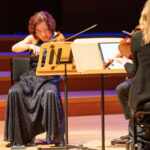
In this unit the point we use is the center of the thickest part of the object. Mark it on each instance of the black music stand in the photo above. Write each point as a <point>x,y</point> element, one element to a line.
<point>102,112</point>
<point>67,146</point>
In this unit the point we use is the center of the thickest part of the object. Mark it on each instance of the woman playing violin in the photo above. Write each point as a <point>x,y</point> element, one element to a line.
<point>35,100</point>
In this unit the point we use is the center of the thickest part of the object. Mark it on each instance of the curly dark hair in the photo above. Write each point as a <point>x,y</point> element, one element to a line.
<point>39,17</point>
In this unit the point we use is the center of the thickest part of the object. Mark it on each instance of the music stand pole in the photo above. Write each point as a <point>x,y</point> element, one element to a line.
<point>66,105</point>
<point>67,146</point>
<point>102,112</point>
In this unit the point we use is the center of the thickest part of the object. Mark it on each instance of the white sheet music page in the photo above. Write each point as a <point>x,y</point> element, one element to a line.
<point>87,54</point>
<point>109,50</point>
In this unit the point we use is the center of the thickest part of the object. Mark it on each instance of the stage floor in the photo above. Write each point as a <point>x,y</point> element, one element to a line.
<point>85,130</point>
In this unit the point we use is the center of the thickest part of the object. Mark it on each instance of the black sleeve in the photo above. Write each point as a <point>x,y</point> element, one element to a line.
<point>135,42</point>
<point>130,69</point>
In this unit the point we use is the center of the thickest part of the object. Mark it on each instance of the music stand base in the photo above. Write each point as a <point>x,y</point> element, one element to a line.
<point>66,147</point>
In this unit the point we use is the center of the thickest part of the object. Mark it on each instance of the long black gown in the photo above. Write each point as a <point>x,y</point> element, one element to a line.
<point>34,106</point>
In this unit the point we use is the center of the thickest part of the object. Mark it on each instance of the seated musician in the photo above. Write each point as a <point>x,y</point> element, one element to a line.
<point>140,85</point>
<point>34,104</point>
<point>123,88</point>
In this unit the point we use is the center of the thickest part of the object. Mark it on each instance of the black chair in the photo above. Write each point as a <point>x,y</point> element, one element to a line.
<point>18,66</point>
<point>137,117</point>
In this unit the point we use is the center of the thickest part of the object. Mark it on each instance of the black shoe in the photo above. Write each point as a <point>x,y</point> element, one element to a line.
<point>31,143</point>
<point>9,145</point>
<point>118,142</point>
<point>14,146</point>
<point>59,143</point>
<point>125,137</point>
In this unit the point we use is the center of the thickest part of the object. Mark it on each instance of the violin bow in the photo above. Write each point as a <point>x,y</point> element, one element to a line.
<point>93,26</point>
<point>126,32</point>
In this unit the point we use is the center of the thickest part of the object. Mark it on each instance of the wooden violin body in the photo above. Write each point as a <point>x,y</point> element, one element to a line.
<point>124,47</point>
<point>58,37</point>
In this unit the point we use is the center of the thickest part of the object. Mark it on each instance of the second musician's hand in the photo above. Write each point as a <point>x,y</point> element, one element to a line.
<point>123,60</point>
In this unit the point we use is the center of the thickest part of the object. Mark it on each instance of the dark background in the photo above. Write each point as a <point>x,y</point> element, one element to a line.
<point>72,16</point>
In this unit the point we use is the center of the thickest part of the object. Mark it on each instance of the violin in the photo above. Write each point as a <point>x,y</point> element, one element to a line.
<point>57,38</point>
<point>124,46</point>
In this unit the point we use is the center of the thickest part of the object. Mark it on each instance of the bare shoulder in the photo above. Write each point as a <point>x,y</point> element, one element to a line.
<point>30,39</point>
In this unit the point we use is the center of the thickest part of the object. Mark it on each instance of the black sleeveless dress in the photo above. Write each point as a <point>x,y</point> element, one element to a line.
<point>34,106</point>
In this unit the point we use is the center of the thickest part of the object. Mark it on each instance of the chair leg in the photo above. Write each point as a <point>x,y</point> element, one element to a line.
<point>134,133</point>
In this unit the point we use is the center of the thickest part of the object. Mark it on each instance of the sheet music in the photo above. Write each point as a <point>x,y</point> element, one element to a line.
<point>87,54</point>
<point>109,50</point>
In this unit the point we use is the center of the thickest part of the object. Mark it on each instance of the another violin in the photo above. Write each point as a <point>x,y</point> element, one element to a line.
<point>124,47</point>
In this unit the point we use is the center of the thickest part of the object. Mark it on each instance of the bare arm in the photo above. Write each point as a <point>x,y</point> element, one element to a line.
<point>25,44</point>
